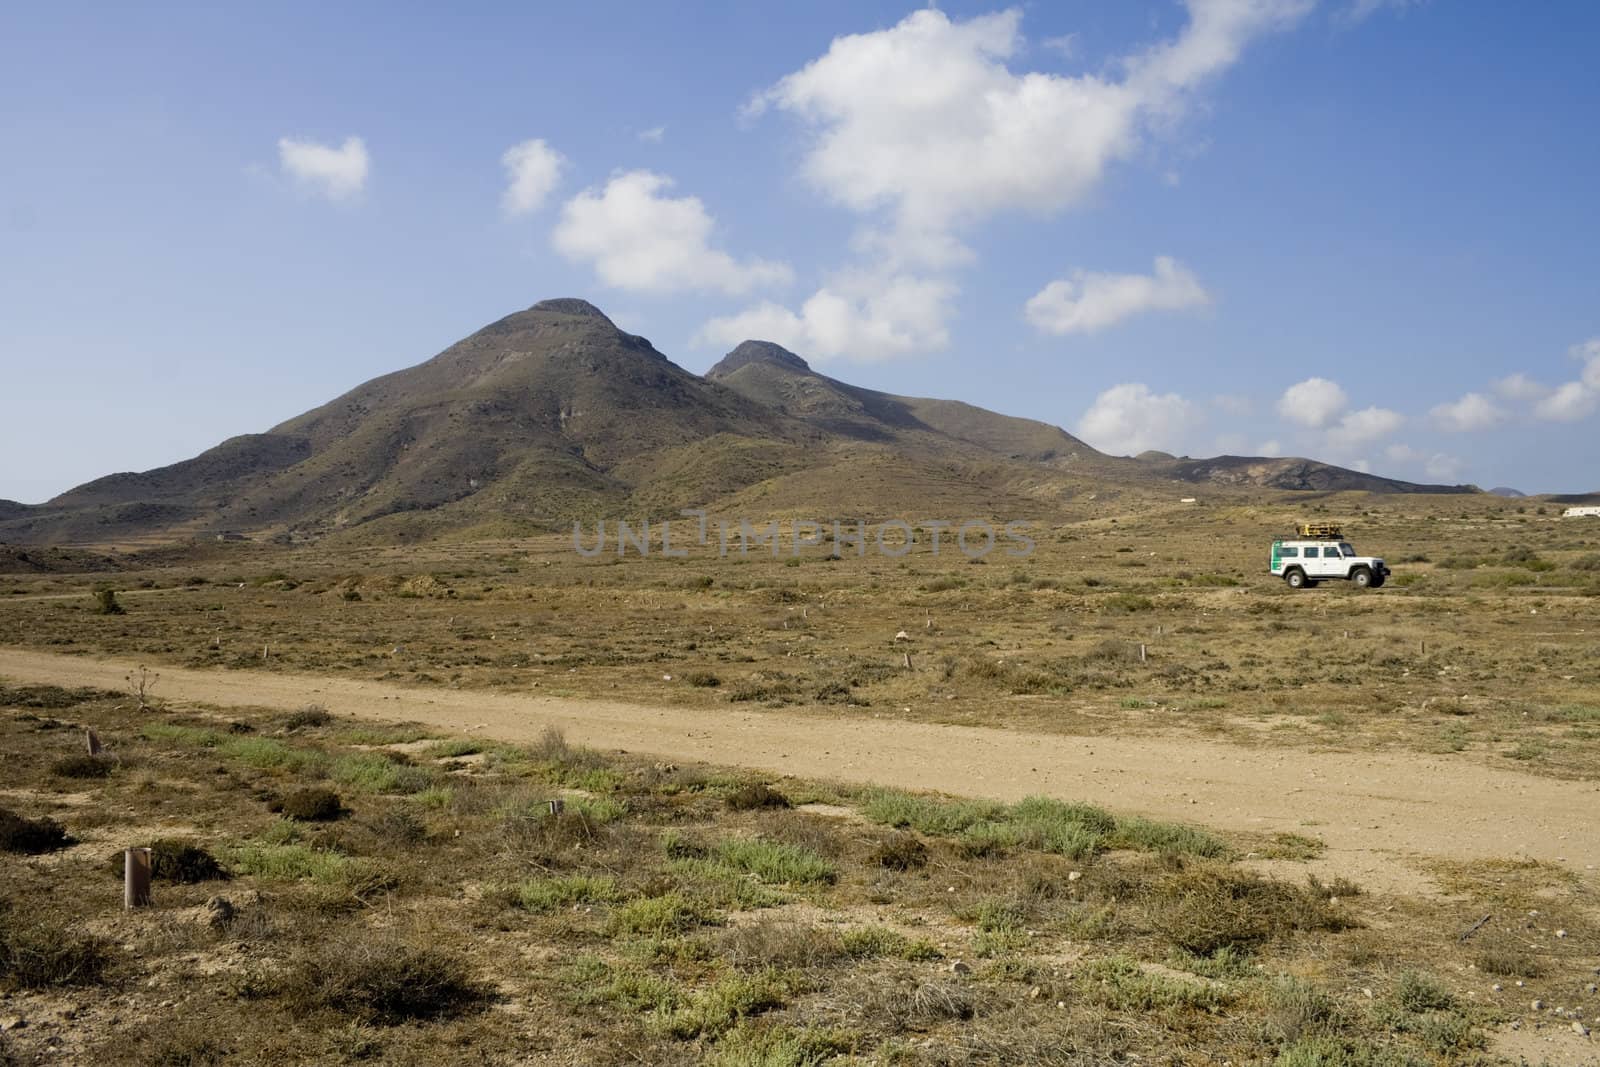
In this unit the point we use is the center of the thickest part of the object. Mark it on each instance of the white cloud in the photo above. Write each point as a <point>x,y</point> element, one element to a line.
<point>1440,466</point>
<point>926,122</point>
<point>1520,387</point>
<point>336,173</point>
<point>1472,412</point>
<point>654,135</point>
<point>1089,301</point>
<point>533,169</point>
<point>1233,404</point>
<point>1589,353</point>
<point>1314,402</point>
<point>1129,419</point>
<point>1569,403</point>
<point>858,315</point>
<point>638,238</point>
<point>1231,444</point>
<point>1065,45</point>
<point>1362,427</point>
<point>1361,10</point>
<point>1578,399</point>
<point>1445,468</point>
<point>1271,449</point>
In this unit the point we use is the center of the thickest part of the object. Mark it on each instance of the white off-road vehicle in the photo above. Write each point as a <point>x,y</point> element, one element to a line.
<point>1320,552</point>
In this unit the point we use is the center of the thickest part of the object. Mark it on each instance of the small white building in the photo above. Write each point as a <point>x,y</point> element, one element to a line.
<point>1580,513</point>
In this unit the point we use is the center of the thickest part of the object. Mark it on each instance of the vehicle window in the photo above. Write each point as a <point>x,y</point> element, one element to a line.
<point>1311,553</point>
<point>1347,548</point>
<point>1289,553</point>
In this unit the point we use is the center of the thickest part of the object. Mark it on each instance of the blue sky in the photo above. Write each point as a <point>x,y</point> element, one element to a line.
<point>1361,231</point>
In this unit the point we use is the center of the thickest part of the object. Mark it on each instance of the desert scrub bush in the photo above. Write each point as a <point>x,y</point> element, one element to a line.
<point>930,815</point>
<point>1508,964</point>
<point>41,955</point>
<point>454,748</point>
<point>543,895</point>
<point>81,766</point>
<point>1119,983</point>
<point>1226,962</point>
<point>1126,604</point>
<point>942,584</point>
<point>702,679</point>
<point>177,861</point>
<point>386,982</point>
<point>1335,1052</point>
<point>349,879</point>
<point>780,1045</point>
<point>106,603</point>
<point>754,795</point>
<point>30,837</point>
<point>269,754</point>
<point>1201,908</point>
<point>1290,846</point>
<point>1590,562</point>
<point>371,772</point>
<point>882,942</point>
<point>313,804</point>
<point>1150,836</point>
<point>898,852</point>
<point>661,916</point>
<point>312,715</point>
<point>1074,830</point>
<point>922,1005</point>
<point>1418,992</point>
<point>774,862</point>
<point>715,1009</point>
<point>1296,1009</point>
<point>50,697</point>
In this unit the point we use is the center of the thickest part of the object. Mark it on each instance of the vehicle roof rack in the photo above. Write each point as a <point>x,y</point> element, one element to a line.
<point>1330,531</point>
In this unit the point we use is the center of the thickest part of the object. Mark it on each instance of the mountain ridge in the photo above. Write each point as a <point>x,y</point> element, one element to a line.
<point>553,413</point>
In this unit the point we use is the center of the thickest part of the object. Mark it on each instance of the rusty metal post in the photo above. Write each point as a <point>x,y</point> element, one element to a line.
<point>136,878</point>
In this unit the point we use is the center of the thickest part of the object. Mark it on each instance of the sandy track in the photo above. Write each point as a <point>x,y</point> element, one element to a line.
<point>1370,808</point>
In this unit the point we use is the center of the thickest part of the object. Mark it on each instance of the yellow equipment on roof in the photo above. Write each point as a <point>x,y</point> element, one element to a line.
<point>1324,530</point>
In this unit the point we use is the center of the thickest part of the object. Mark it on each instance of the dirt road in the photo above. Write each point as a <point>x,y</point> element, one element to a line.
<point>1371,809</point>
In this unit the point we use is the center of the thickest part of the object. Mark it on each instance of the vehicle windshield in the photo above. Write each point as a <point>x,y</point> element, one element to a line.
<point>1347,549</point>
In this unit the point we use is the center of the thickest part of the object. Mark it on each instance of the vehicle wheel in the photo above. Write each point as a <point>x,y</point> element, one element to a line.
<point>1377,580</point>
<point>1296,579</point>
<point>1362,576</point>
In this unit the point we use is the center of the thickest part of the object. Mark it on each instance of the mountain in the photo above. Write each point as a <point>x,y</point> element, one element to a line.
<point>552,411</point>
<point>778,378</point>
<point>553,414</point>
<point>1507,491</point>
<point>1291,473</point>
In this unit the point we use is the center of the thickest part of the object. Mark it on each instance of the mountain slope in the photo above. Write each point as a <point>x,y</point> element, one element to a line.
<point>548,412</point>
<point>780,379</point>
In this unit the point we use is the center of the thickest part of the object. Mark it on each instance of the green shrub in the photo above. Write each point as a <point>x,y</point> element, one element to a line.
<point>775,862</point>
<point>105,602</point>
<point>547,894</point>
<point>659,916</point>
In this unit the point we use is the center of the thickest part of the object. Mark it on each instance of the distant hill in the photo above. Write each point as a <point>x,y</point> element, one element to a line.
<point>1293,473</point>
<point>553,414</point>
<point>1507,491</point>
